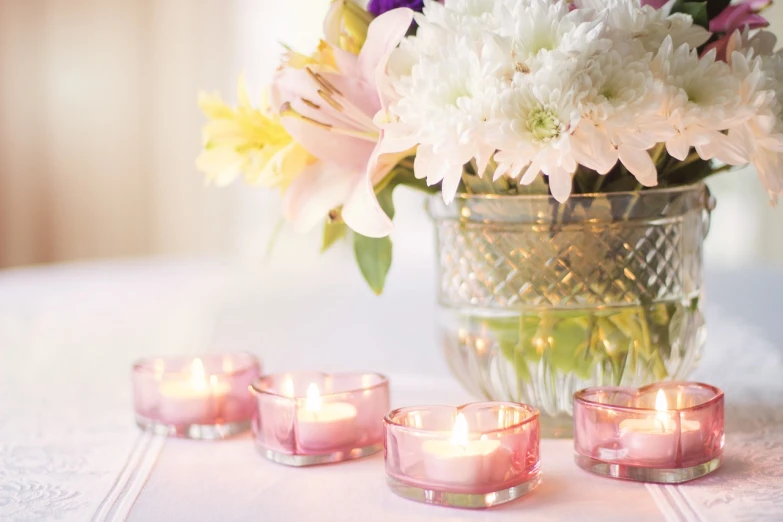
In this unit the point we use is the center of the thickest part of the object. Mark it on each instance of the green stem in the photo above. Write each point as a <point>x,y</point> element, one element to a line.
<point>722,168</point>
<point>657,153</point>
<point>273,238</point>
<point>691,158</point>
<point>406,163</point>
<point>599,183</point>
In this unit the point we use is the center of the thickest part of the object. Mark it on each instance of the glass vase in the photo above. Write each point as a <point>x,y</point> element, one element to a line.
<point>539,299</point>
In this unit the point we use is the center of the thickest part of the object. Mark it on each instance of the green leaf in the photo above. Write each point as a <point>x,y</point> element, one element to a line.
<point>697,11</point>
<point>385,199</point>
<point>333,232</point>
<point>374,256</point>
<point>399,176</point>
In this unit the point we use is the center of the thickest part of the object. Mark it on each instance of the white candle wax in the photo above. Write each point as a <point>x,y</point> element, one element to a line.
<point>194,399</point>
<point>460,461</point>
<point>324,426</point>
<point>653,440</point>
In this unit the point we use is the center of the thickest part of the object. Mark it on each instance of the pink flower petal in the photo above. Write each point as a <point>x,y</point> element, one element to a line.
<point>737,16</point>
<point>655,4</point>
<point>358,92</point>
<point>383,36</point>
<point>347,63</point>
<point>298,89</point>
<point>362,212</point>
<point>351,154</point>
<point>316,191</point>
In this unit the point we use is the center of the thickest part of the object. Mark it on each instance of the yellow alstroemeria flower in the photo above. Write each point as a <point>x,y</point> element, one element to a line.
<point>323,57</point>
<point>248,141</point>
<point>346,25</point>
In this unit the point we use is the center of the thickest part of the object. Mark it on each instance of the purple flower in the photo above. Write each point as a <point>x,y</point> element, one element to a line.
<point>740,15</point>
<point>378,7</point>
<point>655,4</point>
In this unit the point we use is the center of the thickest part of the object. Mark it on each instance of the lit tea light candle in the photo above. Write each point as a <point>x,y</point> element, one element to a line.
<point>308,418</point>
<point>459,460</point>
<point>655,439</point>
<point>195,397</point>
<point>668,432</point>
<point>324,425</point>
<point>201,397</point>
<point>474,456</point>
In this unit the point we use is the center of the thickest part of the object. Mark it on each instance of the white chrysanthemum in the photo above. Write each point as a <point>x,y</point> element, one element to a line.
<point>532,30</point>
<point>700,101</point>
<point>546,27</point>
<point>534,125</point>
<point>626,19</point>
<point>465,17</point>
<point>447,80</point>
<point>761,136</point>
<point>444,102</point>
<point>620,118</point>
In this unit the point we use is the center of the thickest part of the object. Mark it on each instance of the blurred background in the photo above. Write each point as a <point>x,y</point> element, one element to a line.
<point>99,131</point>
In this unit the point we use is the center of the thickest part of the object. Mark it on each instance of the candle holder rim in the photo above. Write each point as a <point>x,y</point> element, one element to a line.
<point>388,419</point>
<point>384,381</point>
<point>141,366</point>
<point>579,396</point>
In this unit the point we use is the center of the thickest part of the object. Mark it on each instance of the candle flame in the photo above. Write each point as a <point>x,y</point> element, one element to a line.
<point>158,368</point>
<point>288,386</point>
<point>313,398</point>
<point>459,434</point>
<point>197,374</point>
<point>661,404</point>
<point>661,407</point>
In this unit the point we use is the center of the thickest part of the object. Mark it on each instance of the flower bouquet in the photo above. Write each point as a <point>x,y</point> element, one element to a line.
<point>564,145</point>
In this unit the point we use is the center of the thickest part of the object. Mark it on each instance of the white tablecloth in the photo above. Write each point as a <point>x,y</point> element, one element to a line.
<point>69,449</point>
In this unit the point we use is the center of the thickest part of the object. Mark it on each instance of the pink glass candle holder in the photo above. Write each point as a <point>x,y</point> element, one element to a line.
<point>473,456</point>
<point>309,418</point>
<point>203,397</point>
<point>669,432</point>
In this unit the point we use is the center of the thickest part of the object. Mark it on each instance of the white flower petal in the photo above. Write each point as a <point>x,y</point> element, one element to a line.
<point>640,164</point>
<point>452,174</point>
<point>678,147</point>
<point>592,148</point>
<point>531,173</point>
<point>423,161</point>
<point>560,184</point>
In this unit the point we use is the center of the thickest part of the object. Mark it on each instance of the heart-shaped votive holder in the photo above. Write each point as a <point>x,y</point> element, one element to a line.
<point>309,418</point>
<point>199,397</point>
<point>669,432</point>
<point>472,456</point>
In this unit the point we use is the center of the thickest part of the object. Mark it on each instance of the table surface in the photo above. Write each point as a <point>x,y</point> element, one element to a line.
<point>69,449</point>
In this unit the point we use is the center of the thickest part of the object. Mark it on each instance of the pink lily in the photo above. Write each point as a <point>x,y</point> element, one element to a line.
<point>331,115</point>
<point>744,15</point>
